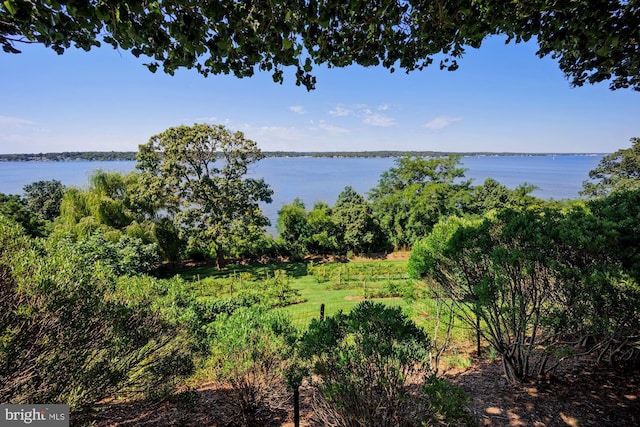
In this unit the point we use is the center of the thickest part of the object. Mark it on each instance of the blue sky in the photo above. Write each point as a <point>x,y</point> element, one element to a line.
<point>502,98</point>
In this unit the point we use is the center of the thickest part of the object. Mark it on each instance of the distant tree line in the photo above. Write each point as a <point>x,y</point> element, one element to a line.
<point>69,156</point>
<point>131,155</point>
<point>391,154</point>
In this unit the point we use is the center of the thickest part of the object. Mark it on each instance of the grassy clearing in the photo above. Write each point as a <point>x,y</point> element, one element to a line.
<point>339,286</point>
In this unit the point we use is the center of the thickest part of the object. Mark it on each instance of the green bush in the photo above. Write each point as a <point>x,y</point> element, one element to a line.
<point>371,366</point>
<point>278,290</point>
<point>69,332</point>
<point>124,255</point>
<point>251,353</point>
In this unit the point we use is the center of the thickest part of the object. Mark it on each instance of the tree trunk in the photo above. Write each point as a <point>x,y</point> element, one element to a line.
<point>220,261</point>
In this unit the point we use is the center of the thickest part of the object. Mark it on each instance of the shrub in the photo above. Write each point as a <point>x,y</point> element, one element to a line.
<point>251,353</point>
<point>278,290</point>
<point>371,365</point>
<point>123,254</point>
<point>68,336</point>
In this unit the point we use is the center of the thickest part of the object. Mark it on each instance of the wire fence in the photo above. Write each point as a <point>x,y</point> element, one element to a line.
<point>301,318</point>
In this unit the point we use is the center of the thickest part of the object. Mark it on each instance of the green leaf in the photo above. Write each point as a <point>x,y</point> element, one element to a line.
<point>307,65</point>
<point>10,7</point>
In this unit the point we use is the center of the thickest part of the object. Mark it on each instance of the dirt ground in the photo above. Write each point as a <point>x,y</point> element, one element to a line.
<point>583,394</point>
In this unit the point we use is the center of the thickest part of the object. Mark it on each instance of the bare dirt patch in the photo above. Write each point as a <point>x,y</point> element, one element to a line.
<point>394,256</point>
<point>583,394</point>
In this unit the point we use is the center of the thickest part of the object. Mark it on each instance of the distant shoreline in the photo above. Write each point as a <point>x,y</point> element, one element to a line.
<point>131,155</point>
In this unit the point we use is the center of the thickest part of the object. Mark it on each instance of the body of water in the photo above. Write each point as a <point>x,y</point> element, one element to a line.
<point>322,179</point>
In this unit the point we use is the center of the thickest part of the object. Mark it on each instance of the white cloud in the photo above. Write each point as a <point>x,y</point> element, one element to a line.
<point>298,109</point>
<point>274,133</point>
<point>212,119</point>
<point>340,111</point>
<point>364,112</point>
<point>376,119</point>
<point>14,122</point>
<point>441,122</point>
<point>332,129</point>
<point>16,133</point>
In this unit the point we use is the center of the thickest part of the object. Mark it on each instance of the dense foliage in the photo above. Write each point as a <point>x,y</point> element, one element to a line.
<point>592,42</point>
<point>364,363</point>
<point>14,207</point>
<point>547,284</point>
<point>348,227</point>
<point>209,200</point>
<point>411,196</point>
<point>112,224</point>
<point>619,171</point>
<point>72,332</point>
<point>44,198</point>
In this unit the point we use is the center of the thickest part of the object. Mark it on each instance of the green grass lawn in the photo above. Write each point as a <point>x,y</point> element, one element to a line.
<point>342,286</point>
<point>339,286</point>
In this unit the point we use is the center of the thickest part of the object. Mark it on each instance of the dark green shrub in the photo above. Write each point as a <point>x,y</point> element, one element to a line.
<point>371,366</point>
<point>12,206</point>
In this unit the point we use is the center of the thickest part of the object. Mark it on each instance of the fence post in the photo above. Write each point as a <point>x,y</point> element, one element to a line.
<point>322,311</point>
<point>296,405</point>
<point>478,335</point>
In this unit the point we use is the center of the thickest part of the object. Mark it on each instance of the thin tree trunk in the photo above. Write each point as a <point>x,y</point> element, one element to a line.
<point>220,261</point>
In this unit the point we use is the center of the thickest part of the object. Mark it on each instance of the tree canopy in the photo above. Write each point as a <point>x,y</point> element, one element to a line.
<point>44,197</point>
<point>210,197</point>
<point>592,41</point>
<point>619,171</point>
<point>411,196</point>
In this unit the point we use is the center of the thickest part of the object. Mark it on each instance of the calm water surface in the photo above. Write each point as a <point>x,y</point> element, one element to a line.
<point>322,179</point>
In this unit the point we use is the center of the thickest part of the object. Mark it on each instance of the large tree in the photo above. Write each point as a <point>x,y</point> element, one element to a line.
<point>414,194</point>
<point>592,41</point>
<point>44,197</point>
<point>616,172</point>
<point>199,172</point>
<point>293,227</point>
<point>358,230</point>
